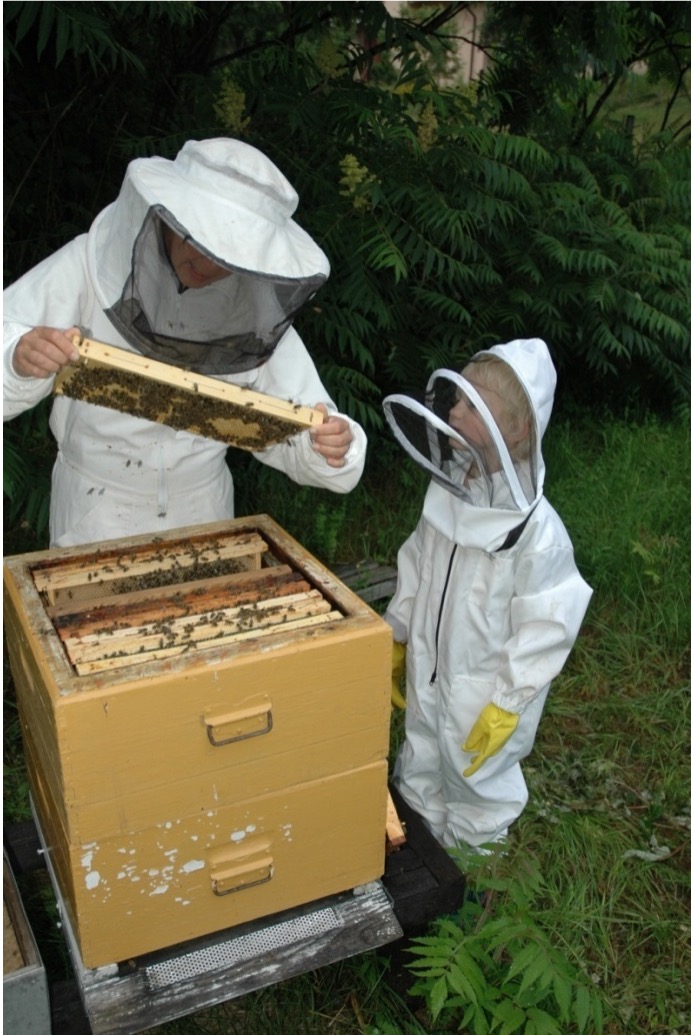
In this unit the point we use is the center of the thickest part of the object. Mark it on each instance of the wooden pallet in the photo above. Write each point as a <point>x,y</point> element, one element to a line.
<point>369,579</point>
<point>206,406</point>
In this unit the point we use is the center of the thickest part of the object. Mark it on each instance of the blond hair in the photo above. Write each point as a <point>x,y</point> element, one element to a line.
<point>498,376</point>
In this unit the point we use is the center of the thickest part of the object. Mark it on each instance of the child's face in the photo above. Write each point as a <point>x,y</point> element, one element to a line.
<point>465,418</point>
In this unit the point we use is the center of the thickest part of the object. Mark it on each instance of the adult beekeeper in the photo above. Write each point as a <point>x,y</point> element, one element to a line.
<point>489,600</point>
<point>198,263</point>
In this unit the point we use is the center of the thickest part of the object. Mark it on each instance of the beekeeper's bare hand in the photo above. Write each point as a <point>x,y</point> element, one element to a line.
<point>42,351</point>
<point>332,438</point>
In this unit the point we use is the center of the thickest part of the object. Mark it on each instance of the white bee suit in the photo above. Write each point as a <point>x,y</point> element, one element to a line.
<point>489,602</point>
<point>119,475</point>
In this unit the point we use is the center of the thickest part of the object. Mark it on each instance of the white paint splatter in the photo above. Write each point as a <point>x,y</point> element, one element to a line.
<point>161,890</point>
<point>190,867</point>
<point>92,880</point>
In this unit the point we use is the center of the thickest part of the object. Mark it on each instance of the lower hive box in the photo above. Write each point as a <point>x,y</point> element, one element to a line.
<point>206,725</point>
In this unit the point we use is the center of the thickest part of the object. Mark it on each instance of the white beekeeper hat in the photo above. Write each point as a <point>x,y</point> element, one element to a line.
<point>236,203</point>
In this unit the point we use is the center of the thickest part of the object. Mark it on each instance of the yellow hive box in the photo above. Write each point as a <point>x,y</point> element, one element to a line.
<point>206,725</point>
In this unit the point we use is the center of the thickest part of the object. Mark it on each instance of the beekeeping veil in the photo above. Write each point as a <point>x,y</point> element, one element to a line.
<point>455,436</point>
<point>232,204</point>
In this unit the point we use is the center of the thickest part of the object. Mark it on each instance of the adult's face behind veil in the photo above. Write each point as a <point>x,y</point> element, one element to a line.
<point>193,269</point>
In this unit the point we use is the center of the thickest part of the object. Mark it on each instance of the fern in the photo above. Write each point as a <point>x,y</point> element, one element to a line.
<point>69,28</point>
<point>494,968</point>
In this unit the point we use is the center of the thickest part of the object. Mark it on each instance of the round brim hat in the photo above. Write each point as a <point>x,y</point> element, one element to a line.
<point>235,202</point>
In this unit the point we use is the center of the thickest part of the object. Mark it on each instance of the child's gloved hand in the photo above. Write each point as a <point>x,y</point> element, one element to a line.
<point>399,660</point>
<point>490,732</point>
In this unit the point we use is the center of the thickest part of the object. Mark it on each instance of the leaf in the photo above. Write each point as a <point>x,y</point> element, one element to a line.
<point>563,992</point>
<point>28,13</point>
<point>507,1017</point>
<point>437,997</point>
<point>543,1023</point>
<point>467,979</point>
<point>48,12</point>
<point>584,1013</point>
<point>62,38</point>
<point>527,957</point>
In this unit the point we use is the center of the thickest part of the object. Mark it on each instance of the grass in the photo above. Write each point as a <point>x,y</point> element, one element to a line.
<point>644,100</point>
<point>607,827</point>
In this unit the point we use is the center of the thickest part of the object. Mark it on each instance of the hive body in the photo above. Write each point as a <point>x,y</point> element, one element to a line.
<point>200,753</point>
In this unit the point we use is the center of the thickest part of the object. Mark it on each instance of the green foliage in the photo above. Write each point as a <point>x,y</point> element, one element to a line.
<point>16,804</point>
<point>449,225</point>
<point>554,69</point>
<point>642,558</point>
<point>494,967</point>
<point>70,28</point>
<point>27,463</point>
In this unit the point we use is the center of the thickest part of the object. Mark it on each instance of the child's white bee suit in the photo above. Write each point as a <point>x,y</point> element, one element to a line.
<point>489,600</point>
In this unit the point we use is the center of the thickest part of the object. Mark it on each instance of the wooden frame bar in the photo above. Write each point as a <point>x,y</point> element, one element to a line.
<point>104,624</point>
<point>207,406</point>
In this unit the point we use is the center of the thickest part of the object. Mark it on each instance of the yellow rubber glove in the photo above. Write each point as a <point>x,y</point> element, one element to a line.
<point>399,661</point>
<point>489,733</point>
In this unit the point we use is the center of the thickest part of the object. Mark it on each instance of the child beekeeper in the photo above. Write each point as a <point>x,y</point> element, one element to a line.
<point>489,600</point>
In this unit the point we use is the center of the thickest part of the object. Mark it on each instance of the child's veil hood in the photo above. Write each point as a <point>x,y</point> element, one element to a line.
<point>531,363</point>
<point>489,518</point>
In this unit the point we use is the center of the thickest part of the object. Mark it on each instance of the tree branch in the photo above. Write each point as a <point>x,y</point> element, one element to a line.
<point>591,116</point>
<point>428,27</point>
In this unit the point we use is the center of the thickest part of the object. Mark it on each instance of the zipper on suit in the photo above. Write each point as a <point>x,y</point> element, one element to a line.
<point>434,675</point>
